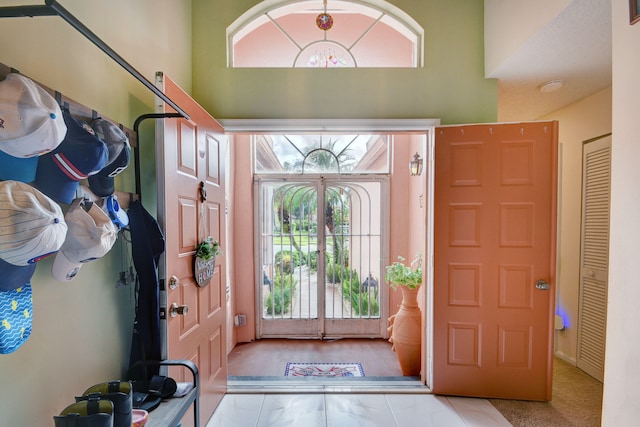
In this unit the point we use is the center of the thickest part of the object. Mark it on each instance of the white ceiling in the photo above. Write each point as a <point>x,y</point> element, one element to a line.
<point>574,47</point>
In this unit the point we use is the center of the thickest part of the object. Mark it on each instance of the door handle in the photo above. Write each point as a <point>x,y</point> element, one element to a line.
<point>178,310</point>
<point>543,285</point>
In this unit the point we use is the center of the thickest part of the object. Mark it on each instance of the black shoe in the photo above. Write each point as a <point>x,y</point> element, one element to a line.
<point>92,412</point>
<point>148,395</point>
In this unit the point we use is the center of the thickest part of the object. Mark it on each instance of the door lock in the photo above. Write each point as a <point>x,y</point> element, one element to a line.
<point>173,282</point>
<point>178,310</point>
<point>543,285</point>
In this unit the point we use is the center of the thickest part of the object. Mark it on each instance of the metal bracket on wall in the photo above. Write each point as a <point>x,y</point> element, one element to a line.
<point>53,8</point>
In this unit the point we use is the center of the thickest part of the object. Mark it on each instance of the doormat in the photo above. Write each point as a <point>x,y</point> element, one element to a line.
<point>323,370</point>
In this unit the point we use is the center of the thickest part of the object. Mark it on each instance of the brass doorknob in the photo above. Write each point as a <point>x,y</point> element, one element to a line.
<point>178,310</point>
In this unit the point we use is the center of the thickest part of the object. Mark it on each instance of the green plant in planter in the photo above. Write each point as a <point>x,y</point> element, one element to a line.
<point>399,274</point>
<point>208,249</point>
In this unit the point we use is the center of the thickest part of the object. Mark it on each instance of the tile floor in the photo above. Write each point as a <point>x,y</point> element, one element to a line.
<point>357,410</point>
<point>260,396</point>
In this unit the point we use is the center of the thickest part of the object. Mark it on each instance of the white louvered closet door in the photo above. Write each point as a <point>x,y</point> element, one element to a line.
<point>596,165</point>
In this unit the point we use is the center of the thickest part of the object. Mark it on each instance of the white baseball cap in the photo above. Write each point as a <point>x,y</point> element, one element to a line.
<point>91,235</point>
<point>31,122</point>
<point>32,227</point>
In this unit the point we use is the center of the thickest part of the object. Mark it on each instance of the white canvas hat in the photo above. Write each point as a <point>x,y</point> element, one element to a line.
<point>91,235</point>
<point>31,121</point>
<point>31,224</point>
<point>32,227</point>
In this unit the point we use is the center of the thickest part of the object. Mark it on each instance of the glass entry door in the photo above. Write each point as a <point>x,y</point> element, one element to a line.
<point>321,257</point>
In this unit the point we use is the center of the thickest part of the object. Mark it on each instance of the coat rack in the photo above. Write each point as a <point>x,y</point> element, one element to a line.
<point>53,8</point>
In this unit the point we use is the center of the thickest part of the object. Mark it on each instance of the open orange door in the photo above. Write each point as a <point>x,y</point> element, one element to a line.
<point>190,176</point>
<point>494,260</point>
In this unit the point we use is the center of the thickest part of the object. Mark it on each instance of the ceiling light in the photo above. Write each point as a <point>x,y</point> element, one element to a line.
<point>551,86</point>
<point>324,21</point>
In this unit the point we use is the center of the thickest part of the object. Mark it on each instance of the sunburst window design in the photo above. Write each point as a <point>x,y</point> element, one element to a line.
<point>321,154</point>
<point>324,34</point>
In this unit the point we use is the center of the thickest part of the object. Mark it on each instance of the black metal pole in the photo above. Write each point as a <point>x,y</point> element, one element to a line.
<point>26,11</point>
<point>74,22</point>
<point>136,153</point>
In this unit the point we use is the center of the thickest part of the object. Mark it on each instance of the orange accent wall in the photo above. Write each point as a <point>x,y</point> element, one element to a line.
<point>242,282</point>
<point>407,217</point>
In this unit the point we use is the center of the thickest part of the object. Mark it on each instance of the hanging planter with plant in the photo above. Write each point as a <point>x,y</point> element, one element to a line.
<point>205,260</point>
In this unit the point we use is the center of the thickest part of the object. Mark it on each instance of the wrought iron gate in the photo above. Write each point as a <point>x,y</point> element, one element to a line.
<point>321,259</point>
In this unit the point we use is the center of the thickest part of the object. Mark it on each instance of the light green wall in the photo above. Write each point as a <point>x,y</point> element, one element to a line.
<point>82,329</point>
<point>451,85</point>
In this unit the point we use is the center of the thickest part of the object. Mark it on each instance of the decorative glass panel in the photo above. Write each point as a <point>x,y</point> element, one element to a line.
<point>326,154</point>
<point>324,34</point>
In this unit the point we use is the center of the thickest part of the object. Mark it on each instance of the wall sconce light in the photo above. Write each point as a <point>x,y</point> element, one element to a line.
<point>415,165</point>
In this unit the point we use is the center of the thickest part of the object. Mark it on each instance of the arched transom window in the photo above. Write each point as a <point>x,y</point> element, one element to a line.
<point>324,34</point>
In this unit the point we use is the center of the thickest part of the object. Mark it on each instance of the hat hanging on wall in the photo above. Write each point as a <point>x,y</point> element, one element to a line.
<point>91,235</point>
<point>80,155</point>
<point>21,169</point>
<point>102,183</point>
<point>16,312</point>
<point>31,124</point>
<point>32,227</point>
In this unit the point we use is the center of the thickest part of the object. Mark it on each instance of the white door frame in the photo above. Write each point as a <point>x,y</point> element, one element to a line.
<point>246,126</point>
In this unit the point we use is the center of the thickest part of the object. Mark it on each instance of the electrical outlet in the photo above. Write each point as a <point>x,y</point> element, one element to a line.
<point>239,320</point>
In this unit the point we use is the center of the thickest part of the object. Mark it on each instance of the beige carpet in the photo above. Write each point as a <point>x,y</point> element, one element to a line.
<point>576,401</point>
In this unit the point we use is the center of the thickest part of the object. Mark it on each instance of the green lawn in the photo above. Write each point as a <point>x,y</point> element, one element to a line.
<point>303,241</point>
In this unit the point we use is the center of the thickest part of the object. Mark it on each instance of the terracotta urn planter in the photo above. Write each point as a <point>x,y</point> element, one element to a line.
<point>406,332</point>
<point>406,324</point>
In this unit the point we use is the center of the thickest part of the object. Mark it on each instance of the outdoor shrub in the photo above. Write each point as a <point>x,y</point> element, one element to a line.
<point>279,300</point>
<point>287,260</point>
<point>350,284</point>
<point>334,272</point>
<point>366,303</point>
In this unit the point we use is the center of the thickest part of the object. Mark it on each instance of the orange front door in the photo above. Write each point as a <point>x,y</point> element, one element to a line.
<point>494,260</point>
<point>191,202</point>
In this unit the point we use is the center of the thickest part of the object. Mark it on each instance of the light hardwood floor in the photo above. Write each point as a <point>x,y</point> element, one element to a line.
<point>269,357</point>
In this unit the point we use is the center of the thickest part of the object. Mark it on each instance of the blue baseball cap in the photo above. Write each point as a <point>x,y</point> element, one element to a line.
<point>15,276</point>
<point>17,168</point>
<point>80,155</point>
<point>16,311</point>
<point>102,184</point>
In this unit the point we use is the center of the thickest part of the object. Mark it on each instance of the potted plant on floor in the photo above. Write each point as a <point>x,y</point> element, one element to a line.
<point>405,325</point>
